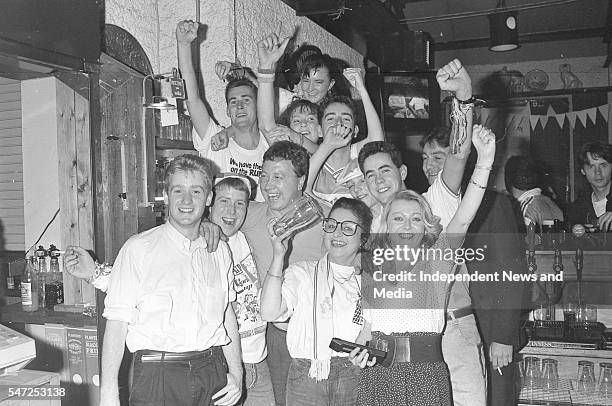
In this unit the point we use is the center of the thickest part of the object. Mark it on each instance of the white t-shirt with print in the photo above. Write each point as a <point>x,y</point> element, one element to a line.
<point>234,158</point>
<point>251,327</point>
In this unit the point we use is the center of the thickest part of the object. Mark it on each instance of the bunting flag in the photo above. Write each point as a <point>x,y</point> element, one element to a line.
<point>582,117</point>
<point>592,113</point>
<point>560,119</point>
<point>517,118</point>
<point>571,116</point>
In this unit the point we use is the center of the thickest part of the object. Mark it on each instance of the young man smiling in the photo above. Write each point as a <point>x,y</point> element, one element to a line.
<point>168,301</point>
<point>246,144</point>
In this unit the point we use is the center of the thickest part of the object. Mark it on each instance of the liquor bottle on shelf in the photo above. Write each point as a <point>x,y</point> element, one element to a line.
<point>54,288</point>
<point>29,287</point>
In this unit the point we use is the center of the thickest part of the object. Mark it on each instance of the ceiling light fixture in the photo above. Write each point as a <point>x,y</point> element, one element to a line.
<point>503,29</point>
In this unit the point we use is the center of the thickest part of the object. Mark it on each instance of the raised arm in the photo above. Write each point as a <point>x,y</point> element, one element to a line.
<point>272,303</point>
<point>270,50</point>
<point>454,77</point>
<point>375,130</point>
<point>336,137</point>
<point>484,141</point>
<point>186,33</point>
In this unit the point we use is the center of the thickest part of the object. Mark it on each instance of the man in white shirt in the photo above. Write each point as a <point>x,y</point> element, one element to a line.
<point>384,172</point>
<point>244,153</point>
<point>168,301</point>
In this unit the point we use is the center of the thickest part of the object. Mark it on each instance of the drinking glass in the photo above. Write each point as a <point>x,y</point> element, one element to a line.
<point>302,213</point>
<point>586,376</point>
<point>541,314</point>
<point>550,374</point>
<point>605,379</point>
<point>586,313</point>
<point>569,312</point>
<point>532,373</point>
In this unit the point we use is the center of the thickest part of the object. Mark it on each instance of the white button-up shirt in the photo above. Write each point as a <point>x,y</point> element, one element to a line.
<point>172,293</point>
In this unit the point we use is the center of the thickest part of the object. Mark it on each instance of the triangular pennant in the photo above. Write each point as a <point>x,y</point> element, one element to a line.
<point>533,121</point>
<point>604,110</point>
<point>521,122</point>
<point>571,116</point>
<point>550,111</point>
<point>544,121</point>
<point>560,119</point>
<point>592,113</point>
<point>582,116</point>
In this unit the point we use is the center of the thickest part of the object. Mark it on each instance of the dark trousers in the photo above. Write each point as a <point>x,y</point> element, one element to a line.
<point>502,388</point>
<point>278,361</point>
<point>166,382</point>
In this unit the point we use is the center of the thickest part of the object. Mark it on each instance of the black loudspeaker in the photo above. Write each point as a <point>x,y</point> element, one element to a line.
<point>404,51</point>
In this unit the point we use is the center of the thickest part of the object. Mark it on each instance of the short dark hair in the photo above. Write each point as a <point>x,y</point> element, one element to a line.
<point>232,84</point>
<point>439,135</point>
<point>233,183</point>
<point>288,151</point>
<point>376,147</point>
<point>295,61</point>
<point>597,149</point>
<point>191,163</point>
<point>360,210</point>
<point>317,61</point>
<point>521,172</point>
<point>347,101</point>
<point>301,105</point>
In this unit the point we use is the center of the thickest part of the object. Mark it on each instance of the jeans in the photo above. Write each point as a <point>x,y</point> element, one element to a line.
<point>339,389</point>
<point>278,361</point>
<point>258,385</point>
<point>462,351</point>
<point>178,383</point>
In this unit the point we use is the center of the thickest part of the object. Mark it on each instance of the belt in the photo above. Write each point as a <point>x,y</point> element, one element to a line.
<point>413,348</point>
<point>166,356</point>
<point>252,332</point>
<point>459,313</point>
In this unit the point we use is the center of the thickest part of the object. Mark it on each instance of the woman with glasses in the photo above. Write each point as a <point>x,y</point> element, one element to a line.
<point>322,300</point>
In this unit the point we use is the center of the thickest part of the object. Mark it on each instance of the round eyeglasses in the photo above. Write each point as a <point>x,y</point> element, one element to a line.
<point>347,227</point>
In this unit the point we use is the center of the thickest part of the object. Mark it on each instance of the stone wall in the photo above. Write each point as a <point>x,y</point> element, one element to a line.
<point>233,29</point>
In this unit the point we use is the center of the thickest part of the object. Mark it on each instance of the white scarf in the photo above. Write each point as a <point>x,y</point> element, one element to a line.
<point>323,320</point>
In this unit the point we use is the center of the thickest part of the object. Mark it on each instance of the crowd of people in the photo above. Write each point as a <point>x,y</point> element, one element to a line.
<point>218,309</point>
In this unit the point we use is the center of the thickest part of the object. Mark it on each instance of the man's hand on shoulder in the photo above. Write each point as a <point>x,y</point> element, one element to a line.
<point>212,233</point>
<point>220,140</point>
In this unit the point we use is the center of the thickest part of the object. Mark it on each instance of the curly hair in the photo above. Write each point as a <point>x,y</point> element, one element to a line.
<point>288,151</point>
<point>360,210</point>
<point>432,222</point>
<point>376,147</point>
<point>191,163</point>
<point>314,62</point>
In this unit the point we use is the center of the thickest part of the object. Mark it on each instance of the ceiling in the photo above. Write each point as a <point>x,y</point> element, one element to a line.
<point>538,20</point>
<point>453,24</point>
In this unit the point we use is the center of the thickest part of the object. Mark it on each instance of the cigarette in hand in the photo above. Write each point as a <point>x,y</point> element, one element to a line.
<point>499,371</point>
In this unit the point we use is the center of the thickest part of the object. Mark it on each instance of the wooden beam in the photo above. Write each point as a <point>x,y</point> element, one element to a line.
<point>525,38</point>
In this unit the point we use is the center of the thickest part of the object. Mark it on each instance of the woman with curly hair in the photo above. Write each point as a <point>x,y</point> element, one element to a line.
<point>409,324</point>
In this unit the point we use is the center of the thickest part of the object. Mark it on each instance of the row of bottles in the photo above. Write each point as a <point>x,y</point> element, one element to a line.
<point>42,283</point>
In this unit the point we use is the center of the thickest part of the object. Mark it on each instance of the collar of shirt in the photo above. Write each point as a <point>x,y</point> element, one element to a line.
<point>183,242</point>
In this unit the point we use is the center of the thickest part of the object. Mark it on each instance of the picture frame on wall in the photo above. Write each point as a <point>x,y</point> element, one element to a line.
<point>410,100</point>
